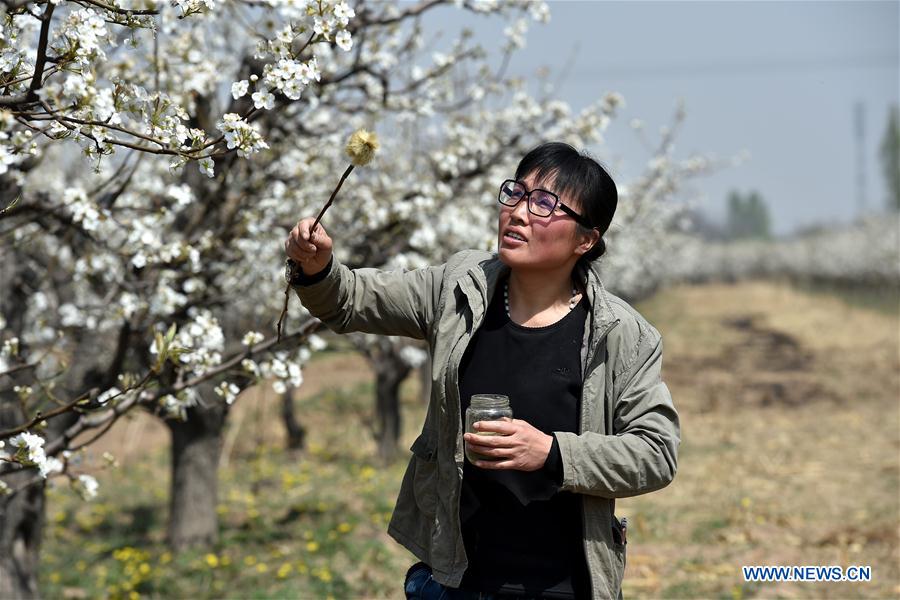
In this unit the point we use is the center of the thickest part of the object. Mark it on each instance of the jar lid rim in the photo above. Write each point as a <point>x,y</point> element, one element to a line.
<point>490,399</point>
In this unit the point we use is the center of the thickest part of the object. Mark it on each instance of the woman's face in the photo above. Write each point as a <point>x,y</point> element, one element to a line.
<point>549,242</point>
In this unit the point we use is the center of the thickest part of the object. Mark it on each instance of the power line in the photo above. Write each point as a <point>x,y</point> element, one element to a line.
<point>740,67</point>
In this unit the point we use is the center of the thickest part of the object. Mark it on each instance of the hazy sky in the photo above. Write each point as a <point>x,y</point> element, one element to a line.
<point>777,79</point>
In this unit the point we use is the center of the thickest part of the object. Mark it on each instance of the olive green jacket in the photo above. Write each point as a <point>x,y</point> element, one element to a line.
<point>630,429</point>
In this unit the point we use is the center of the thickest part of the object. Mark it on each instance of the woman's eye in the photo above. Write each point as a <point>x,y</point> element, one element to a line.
<point>545,203</point>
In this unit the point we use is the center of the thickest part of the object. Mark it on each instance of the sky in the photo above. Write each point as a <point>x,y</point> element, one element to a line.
<point>777,81</point>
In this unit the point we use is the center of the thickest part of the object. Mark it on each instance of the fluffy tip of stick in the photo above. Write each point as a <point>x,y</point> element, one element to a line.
<point>361,147</point>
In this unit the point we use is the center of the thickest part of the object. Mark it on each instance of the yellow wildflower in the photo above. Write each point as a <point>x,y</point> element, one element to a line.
<point>312,546</point>
<point>284,570</point>
<point>212,560</point>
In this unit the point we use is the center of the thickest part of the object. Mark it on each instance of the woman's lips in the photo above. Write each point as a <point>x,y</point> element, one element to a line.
<point>511,240</point>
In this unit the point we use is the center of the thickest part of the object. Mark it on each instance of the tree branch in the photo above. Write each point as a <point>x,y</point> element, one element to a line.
<point>41,58</point>
<point>117,10</point>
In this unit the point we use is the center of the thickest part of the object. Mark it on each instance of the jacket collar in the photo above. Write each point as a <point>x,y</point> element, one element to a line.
<point>481,281</point>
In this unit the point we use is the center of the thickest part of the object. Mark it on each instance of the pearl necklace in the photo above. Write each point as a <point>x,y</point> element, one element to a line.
<point>572,302</point>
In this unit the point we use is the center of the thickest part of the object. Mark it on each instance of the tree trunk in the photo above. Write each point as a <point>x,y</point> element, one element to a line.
<point>21,523</point>
<point>196,447</point>
<point>390,371</point>
<point>22,513</point>
<point>296,433</point>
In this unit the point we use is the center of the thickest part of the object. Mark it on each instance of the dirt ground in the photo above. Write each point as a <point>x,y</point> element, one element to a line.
<point>790,455</point>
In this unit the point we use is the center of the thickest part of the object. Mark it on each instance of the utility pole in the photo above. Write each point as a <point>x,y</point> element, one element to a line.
<point>860,135</point>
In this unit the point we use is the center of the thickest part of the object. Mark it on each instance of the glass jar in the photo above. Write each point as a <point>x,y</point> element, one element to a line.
<point>485,407</point>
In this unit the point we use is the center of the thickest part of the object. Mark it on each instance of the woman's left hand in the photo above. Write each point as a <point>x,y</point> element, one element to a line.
<point>520,446</point>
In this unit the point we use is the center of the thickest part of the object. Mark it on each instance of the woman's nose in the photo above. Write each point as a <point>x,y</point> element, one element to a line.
<point>520,210</point>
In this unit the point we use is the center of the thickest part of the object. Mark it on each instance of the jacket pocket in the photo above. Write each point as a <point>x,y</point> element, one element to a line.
<point>425,475</point>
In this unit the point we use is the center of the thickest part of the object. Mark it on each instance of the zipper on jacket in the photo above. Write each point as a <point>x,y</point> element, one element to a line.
<point>453,371</point>
<point>581,428</point>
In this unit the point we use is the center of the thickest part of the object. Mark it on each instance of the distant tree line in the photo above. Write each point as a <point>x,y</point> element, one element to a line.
<point>890,158</point>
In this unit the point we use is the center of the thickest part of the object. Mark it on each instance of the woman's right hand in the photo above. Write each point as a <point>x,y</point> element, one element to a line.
<point>312,253</point>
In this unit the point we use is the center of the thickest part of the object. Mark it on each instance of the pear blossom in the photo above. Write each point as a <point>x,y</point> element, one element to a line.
<point>239,88</point>
<point>207,167</point>
<point>228,391</point>
<point>108,394</point>
<point>252,337</point>
<point>343,13</point>
<point>29,451</point>
<point>263,99</point>
<point>316,343</point>
<point>251,367</point>
<point>86,486</point>
<point>241,135</point>
<point>344,40</point>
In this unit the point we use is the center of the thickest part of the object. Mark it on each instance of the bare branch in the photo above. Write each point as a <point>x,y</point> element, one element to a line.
<point>18,368</point>
<point>41,58</point>
<point>117,10</point>
<point>410,12</point>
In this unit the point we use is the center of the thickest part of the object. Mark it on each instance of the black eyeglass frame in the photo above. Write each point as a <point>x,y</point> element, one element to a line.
<point>527,197</point>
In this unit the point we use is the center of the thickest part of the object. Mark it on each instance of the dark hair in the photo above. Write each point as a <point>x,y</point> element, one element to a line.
<point>580,177</point>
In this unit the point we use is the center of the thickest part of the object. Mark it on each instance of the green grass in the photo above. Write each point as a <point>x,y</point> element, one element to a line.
<point>292,525</point>
<point>884,299</point>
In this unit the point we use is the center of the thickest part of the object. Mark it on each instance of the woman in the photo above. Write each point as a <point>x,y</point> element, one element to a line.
<point>593,420</point>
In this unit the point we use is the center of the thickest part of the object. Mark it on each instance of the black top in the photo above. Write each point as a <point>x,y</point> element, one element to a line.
<point>522,535</point>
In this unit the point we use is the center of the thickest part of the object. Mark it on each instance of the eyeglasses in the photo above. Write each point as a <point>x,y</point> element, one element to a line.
<point>541,203</point>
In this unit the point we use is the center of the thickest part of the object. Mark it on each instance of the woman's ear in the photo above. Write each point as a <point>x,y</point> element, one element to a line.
<point>588,241</point>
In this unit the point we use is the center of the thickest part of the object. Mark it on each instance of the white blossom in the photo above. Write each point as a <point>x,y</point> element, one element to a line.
<point>182,194</point>
<point>239,88</point>
<point>252,337</point>
<point>86,486</point>
<point>105,396</point>
<point>228,391</point>
<point>10,348</point>
<point>516,33</point>
<point>207,167</point>
<point>344,40</point>
<point>250,366</point>
<point>263,99</point>
<point>413,356</point>
<point>241,135</point>
<point>343,13</point>
<point>29,451</point>
<point>204,339</point>
<point>54,465</point>
<point>316,343</point>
